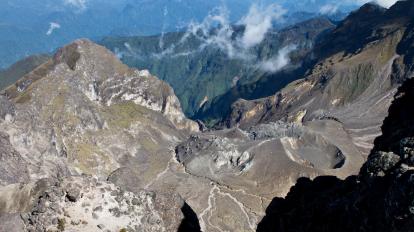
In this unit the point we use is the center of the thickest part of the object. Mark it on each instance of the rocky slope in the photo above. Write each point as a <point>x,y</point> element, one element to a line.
<point>86,204</point>
<point>18,70</point>
<point>349,50</point>
<point>380,198</point>
<point>353,81</point>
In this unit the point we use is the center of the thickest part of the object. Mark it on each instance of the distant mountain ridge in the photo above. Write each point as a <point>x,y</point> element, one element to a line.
<point>32,27</point>
<point>200,72</point>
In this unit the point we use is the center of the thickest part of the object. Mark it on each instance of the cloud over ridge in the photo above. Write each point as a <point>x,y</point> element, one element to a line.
<point>79,4</point>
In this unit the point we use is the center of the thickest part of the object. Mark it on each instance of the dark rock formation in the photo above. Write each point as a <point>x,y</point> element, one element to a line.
<point>190,222</point>
<point>399,124</point>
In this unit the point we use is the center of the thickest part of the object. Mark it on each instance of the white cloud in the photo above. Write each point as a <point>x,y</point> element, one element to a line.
<point>79,4</point>
<point>278,62</point>
<point>164,26</point>
<point>53,26</point>
<point>383,3</point>
<point>216,30</point>
<point>328,9</point>
<point>258,22</point>
<point>386,3</point>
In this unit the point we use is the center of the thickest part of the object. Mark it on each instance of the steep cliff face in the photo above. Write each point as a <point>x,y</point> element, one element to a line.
<point>394,148</point>
<point>353,80</point>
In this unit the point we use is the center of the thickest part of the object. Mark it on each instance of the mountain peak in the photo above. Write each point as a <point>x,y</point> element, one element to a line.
<point>68,54</point>
<point>367,11</point>
<point>402,9</point>
<point>72,53</point>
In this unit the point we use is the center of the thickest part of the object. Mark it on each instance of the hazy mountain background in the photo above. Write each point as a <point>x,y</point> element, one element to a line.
<point>201,67</point>
<point>28,27</point>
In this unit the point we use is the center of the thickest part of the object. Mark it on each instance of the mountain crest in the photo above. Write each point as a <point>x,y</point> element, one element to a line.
<point>85,68</point>
<point>68,55</point>
<point>402,9</point>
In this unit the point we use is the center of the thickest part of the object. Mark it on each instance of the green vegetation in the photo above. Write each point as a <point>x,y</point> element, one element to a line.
<point>207,73</point>
<point>123,114</point>
<point>61,224</point>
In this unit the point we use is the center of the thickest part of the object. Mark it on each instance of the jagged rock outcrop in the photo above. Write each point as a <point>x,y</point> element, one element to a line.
<point>379,199</point>
<point>86,204</point>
